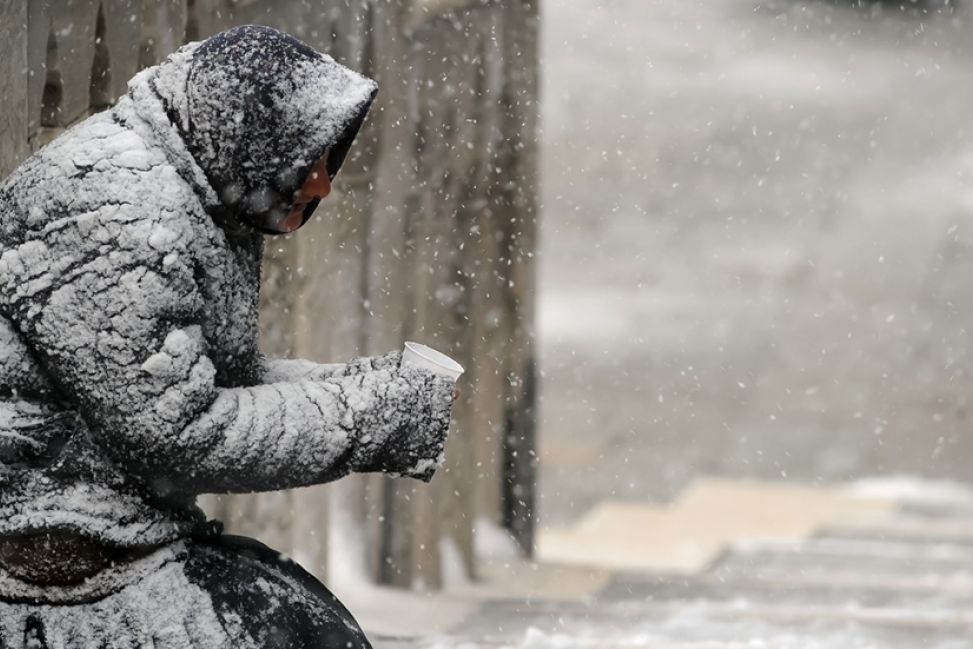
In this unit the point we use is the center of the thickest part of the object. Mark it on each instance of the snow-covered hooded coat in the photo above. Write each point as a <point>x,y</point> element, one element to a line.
<point>130,249</point>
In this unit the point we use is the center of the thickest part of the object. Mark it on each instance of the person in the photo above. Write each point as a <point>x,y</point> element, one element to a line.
<point>130,376</point>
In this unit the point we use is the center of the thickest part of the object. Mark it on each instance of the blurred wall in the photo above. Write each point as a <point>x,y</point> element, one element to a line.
<point>756,243</point>
<point>428,236</point>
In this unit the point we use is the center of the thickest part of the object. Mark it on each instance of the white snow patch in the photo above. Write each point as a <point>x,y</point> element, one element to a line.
<point>453,566</point>
<point>491,541</point>
<point>913,489</point>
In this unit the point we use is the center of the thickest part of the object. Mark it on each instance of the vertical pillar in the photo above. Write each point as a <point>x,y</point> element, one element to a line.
<point>490,321</point>
<point>123,20</point>
<point>164,25</point>
<point>451,164</point>
<point>344,228</point>
<point>520,102</point>
<point>73,25</point>
<point>14,66</point>
<point>389,280</point>
<point>38,35</point>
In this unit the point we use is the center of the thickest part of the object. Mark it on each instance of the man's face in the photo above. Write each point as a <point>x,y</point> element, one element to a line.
<point>317,186</point>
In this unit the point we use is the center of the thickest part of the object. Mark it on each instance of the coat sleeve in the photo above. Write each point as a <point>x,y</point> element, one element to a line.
<point>33,427</point>
<point>278,370</point>
<point>122,339</point>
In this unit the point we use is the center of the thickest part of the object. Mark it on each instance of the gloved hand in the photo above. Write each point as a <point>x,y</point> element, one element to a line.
<point>415,447</point>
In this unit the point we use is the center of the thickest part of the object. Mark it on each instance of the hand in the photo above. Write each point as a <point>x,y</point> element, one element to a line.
<point>456,394</point>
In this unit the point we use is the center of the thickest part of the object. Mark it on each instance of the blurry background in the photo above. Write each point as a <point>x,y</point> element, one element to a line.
<point>756,244</point>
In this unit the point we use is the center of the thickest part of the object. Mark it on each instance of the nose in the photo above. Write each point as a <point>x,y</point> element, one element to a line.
<point>318,183</point>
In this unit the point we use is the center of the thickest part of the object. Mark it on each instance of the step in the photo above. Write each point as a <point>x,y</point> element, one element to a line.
<point>702,623</point>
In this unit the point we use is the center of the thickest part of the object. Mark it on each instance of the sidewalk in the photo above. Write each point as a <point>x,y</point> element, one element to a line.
<point>838,568</point>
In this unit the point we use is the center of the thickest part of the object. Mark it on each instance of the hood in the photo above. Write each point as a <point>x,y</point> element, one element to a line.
<point>256,109</point>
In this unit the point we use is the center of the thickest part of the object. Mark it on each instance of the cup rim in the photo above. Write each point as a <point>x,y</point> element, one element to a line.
<point>438,358</point>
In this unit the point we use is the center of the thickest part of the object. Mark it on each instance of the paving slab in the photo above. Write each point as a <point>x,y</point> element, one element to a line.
<point>694,531</point>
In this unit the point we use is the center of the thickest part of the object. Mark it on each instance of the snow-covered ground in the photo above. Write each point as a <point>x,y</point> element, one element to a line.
<point>893,575</point>
<point>757,244</point>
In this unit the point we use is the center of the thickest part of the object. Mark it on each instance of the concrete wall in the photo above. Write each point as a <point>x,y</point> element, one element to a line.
<point>430,234</point>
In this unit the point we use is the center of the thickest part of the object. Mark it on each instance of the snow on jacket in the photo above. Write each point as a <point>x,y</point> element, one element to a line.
<point>130,249</point>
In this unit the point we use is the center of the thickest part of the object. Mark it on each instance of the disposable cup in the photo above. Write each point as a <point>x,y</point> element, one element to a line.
<point>428,358</point>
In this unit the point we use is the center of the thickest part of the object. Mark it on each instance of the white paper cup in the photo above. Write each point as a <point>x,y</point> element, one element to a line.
<point>428,358</point>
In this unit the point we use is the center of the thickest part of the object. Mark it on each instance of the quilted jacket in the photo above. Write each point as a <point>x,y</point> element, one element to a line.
<point>130,249</point>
